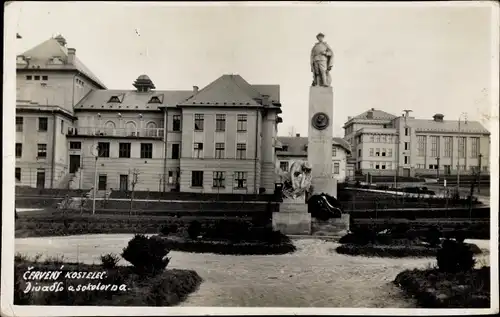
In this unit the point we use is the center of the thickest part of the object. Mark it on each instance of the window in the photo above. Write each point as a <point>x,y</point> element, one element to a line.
<point>434,146</point>
<point>43,124</point>
<point>421,145</point>
<point>103,149</point>
<point>474,147</point>
<point>371,151</point>
<point>462,167</point>
<point>176,123</point>
<point>241,151</point>
<point>75,145</point>
<point>242,123</point>
<point>433,166</point>
<point>114,99</point>
<point>336,168</point>
<point>371,165</point>
<point>19,149</point>
<point>334,152</point>
<point>29,77</point>
<point>359,152</point>
<point>377,166</point>
<point>220,122</point>
<point>377,138</point>
<point>198,150</point>
<point>284,166</point>
<point>197,179</point>
<point>198,122</point>
<point>382,166</point>
<point>62,126</point>
<point>176,151</point>
<point>240,180</point>
<point>219,150</point>
<point>389,166</point>
<point>407,146</point>
<point>377,152</point>
<point>389,139</point>
<point>124,150</point>
<point>420,166</point>
<point>384,139</point>
<point>383,152</point>
<point>42,150</point>
<point>147,150</point>
<point>103,182</point>
<point>372,138</point>
<point>407,160</point>
<point>37,77</point>
<point>407,131</point>
<point>284,148</point>
<point>19,124</point>
<point>219,180</point>
<point>170,177</point>
<point>448,146</point>
<point>18,174</point>
<point>154,99</point>
<point>45,77</point>
<point>485,168</point>
<point>461,147</point>
<point>389,152</point>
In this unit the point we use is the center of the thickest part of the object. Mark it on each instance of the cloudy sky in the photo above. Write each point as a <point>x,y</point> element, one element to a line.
<point>389,57</point>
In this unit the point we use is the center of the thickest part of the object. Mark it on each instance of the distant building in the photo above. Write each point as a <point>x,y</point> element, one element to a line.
<point>68,126</point>
<point>384,144</point>
<point>295,149</point>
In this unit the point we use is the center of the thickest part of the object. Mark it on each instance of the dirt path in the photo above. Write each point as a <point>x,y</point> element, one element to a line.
<point>314,276</point>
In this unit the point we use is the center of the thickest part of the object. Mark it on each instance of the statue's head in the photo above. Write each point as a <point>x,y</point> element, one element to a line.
<point>306,168</point>
<point>320,37</point>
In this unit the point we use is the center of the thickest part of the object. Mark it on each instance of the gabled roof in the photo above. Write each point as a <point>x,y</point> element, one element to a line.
<point>232,90</point>
<point>132,99</point>
<point>297,146</point>
<point>41,58</point>
<point>422,125</point>
<point>376,115</point>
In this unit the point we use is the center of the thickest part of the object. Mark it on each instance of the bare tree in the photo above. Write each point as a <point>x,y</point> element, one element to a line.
<point>135,180</point>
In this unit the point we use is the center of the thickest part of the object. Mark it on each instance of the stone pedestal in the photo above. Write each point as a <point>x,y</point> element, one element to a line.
<point>336,227</point>
<point>319,149</point>
<point>292,218</point>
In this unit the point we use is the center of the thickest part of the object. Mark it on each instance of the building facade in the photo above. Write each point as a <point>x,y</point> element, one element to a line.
<point>295,149</point>
<point>384,144</point>
<point>217,139</point>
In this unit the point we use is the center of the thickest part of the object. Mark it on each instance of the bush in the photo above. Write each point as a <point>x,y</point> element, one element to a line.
<point>455,257</point>
<point>194,229</point>
<point>393,251</point>
<point>433,236</point>
<point>147,255</point>
<point>173,288</point>
<point>360,236</point>
<point>169,228</point>
<point>400,230</point>
<point>109,261</point>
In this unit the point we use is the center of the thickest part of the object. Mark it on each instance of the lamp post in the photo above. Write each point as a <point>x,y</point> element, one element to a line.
<point>458,152</point>
<point>95,152</point>
<point>479,173</point>
<point>437,160</point>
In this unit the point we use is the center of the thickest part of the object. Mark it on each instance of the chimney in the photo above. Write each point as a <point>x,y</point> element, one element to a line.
<point>265,100</point>
<point>71,56</point>
<point>195,89</point>
<point>438,117</point>
<point>297,135</point>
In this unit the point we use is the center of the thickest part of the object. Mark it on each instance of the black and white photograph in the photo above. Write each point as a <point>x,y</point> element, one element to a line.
<point>214,158</point>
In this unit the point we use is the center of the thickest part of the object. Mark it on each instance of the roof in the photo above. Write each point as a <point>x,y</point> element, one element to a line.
<point>41,58</point>
<point>377,115</point>
<point>233,90</point>
<point>132,99</point>
<point>448,126</point>
<point>297,145</point>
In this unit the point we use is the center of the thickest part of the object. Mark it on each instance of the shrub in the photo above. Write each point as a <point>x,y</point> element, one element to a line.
<point>433,236</point>
<point>361,236</point>
<point>109,261</point>
<point>169,228</point>
<point>147,255</point>
<point>455,257</point>
<point>400,230</point>
<point>194,229</point>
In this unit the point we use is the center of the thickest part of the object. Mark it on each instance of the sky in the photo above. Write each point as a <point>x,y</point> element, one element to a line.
<point>428,58</point>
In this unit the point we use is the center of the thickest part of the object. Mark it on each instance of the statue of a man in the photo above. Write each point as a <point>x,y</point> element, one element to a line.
<point>297,181</point>
<point>321,62</point>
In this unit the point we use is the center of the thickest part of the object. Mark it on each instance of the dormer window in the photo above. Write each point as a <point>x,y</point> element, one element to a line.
<point>284,148</point>
<point>154,99</point>
<point>114,99</point>
<point>56,60</point>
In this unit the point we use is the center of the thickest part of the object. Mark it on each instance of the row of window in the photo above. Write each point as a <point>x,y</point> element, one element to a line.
<point>284,166</point>
<point>37,77</point>
<point>448,146</point>
<point>219,179</point>
<point>381,138</point>
<point>43,124</point>
<point>449,167</point>
<point>41,150</point>
<point>124,150</point>
<point>40,176</point>
<point>380,152</point>
<point>381,165</point>
<point>220,122</point>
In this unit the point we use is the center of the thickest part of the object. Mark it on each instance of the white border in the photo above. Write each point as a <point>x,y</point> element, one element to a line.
<point>8,178</point>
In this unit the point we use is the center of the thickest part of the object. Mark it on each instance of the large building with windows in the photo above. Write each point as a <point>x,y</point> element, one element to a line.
<point>73,132</point>
<point>385,144</point>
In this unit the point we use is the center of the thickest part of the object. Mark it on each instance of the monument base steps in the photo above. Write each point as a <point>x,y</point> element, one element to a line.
<point>293,218</point>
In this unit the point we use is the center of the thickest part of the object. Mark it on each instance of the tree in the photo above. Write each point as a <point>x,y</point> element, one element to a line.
<point>135,180</point>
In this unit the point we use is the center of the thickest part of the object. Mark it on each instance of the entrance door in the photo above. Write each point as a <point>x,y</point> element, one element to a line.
<point>123,183</point>
<point>40,178</point>
<point>74,163</point>
<point>103,180</point>
<point>447,169</point>
<point>406,172</point>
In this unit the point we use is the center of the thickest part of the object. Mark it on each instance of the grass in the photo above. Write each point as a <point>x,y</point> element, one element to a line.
<point>435,289</point>
<point>166,289</point>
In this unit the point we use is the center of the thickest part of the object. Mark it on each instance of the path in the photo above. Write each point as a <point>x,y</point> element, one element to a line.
<point>311,277</point>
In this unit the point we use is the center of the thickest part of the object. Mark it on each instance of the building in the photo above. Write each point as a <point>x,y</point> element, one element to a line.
<point>385,144</point>
<point>295,149</point>
<point>73,132</point>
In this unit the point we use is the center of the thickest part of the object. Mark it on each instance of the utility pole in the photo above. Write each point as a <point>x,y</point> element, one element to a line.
<point>458,152</point>
<point>437,159</point>
<point>479,173</point>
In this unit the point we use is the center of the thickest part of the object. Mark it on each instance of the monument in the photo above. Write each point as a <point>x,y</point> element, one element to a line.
<point>314,177</point>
